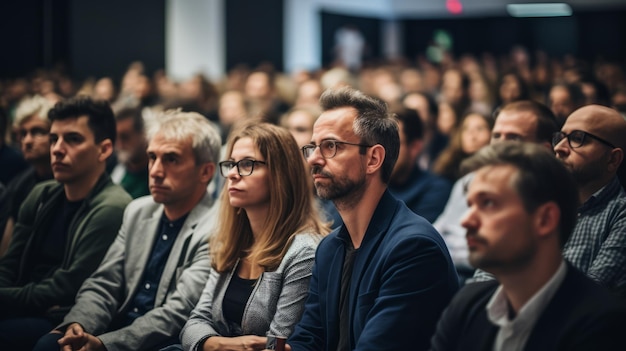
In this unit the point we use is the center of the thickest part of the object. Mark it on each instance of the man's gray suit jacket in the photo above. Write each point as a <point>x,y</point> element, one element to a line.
<point>106,295</point>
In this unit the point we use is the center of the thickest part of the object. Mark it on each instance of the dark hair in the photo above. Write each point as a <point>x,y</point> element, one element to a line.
<point>524,89</point>
<point>574,91</point>
<point>603,96</point>
<point>541,178</point>
<point>100,116</point>
<point>546,120</point>
<point>413,125</point>
<point>134,114</point>
<point>373,123</point>
<point>433,109</point>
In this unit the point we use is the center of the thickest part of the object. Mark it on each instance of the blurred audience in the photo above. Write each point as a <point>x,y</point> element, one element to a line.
<point>32,127</point>
<point>474,133</point>
<point>423,192</point>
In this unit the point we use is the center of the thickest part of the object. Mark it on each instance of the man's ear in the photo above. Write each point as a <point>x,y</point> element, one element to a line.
<point>616,157</point>
<point>376,157</point>
<point>547,218</point>
<point>106,149</point>
<point>207,170</point>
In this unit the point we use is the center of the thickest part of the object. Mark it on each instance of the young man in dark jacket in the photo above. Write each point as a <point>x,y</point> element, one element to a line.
<point>64,227</point>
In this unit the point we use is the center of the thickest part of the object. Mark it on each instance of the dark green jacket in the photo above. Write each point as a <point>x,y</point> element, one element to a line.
<point>91,232</point>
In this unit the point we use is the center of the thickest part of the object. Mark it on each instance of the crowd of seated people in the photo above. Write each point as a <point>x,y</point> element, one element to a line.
<point>82,164</point>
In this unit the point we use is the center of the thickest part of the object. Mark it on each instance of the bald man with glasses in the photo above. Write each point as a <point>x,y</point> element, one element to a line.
<point>591,144</point>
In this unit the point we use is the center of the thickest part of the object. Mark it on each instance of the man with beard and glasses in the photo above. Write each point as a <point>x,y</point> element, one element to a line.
<point>591,144</point>
<point>522,209</point>
<point>380,280</point>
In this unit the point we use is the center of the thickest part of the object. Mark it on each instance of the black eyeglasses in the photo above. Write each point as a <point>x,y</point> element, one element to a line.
<point>576,139</point>
<point>328,148</point>
<point>245,167</point>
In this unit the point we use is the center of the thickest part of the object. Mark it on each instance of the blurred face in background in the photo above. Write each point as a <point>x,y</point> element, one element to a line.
<point>475,133</point>
<point>452,87</point>
<point>131,144</point>
<point>510,89</point>
<point>300,125</point>
<point>258,86</point>
<point>34,139</point>
<point>104,89</point>
<point>232,108</point>
<point>309,93</point>
<point>561,103</point>
<point>446,121</point>
<point>419,103</point>
<point>514,126</point>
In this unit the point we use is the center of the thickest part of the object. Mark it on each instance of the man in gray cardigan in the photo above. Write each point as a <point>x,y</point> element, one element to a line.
<point>152,276</point>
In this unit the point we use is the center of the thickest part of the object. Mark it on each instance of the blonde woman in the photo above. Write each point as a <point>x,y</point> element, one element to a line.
<point>263,251</point>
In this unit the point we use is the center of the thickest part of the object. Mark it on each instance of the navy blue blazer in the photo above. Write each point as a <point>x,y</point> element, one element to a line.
<point>402,280</point>
<point>424,193</point>
<point>581,316</point>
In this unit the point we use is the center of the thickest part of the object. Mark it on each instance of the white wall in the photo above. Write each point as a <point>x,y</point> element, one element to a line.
<point>195,38</point>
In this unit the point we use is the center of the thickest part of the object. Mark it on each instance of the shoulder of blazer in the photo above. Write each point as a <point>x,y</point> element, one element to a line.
<point>473,297</point>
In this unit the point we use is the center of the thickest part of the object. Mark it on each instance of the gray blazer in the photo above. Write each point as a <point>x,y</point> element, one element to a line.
<point>106,295</point>
<point>275,305</point>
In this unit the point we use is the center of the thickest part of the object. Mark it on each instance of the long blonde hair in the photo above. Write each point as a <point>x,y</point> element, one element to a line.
<point>292,206</point>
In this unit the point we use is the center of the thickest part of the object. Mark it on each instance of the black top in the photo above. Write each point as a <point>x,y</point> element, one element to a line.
<point>236,298</point>
<point>51,248</point>
<point>344,315</point>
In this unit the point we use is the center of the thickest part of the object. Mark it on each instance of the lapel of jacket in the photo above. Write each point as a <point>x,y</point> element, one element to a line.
<point>333,280</point>
<point>178,256</point>
<point>141,240</point>
<point>545,330</point>
<point>331,289</point>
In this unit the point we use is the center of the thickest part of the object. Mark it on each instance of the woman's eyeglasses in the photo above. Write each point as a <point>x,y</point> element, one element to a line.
<point>245,167</point>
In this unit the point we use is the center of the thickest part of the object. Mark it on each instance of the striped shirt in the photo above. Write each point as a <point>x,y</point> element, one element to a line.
<point>597,246</point>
